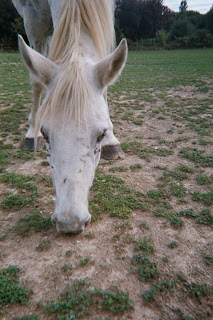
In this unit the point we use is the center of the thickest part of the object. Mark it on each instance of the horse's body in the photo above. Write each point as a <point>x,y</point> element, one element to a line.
<point>74,117</point>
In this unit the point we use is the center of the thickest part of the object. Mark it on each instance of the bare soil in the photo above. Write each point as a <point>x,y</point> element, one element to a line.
<point>111,259</point>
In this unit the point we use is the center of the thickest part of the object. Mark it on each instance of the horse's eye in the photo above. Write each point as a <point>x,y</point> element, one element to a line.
<point>101,137</point>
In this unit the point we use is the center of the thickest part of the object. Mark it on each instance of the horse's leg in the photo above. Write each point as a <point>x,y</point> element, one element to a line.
<point>36,99</point>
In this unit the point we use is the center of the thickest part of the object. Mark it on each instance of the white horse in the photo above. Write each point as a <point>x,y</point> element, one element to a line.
<point>74,117</point>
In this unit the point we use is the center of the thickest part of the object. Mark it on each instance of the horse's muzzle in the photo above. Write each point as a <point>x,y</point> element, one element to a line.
<point>71,226</point>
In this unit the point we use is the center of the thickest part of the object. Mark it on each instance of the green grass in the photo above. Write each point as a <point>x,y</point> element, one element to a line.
<point>172,244</point>
<point>27,195</point>
<point>10,291</point>
<point>32,222</point>
<point>160,286</point>
<point>197,156</point>
<point>28,317</point>
<point>205,217</point>
<point>118,169</point>
<point>145,245</point>
<point>198,290</point>
<point>136,166</point>
<point>208,258</point>
<point>176,222</point>
<point>187,213</point>
<point>135,147</point>
<point>111,195</point>
<point>203,179</point>
<point>159,71</point>
<point>147,269</point>
<point>85,261</point>
<point>19,181</point>
<point>204,197</point>
<point>15,202</point>
<point>194,290</point>
<point>79,302</point>
<point>43,245</point>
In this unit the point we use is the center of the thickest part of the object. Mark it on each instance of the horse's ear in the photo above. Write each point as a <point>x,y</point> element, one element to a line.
<point>43,68</point>
<point>108,69</point>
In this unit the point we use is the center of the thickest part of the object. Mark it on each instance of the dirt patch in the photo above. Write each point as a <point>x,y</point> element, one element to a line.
<point>108,242</point>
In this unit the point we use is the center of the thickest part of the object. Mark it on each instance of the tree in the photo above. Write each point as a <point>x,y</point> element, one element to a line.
<point>9,18</point>
<point>209,20</point>
<point>141,18</point>
<point>183,6</point>
<point>128,15</point>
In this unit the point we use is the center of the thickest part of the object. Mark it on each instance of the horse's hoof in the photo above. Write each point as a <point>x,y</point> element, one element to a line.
<point>29,145</point>
<point>112,152</point>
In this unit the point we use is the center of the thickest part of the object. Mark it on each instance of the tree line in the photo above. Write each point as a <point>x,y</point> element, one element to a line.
<point>138,21</point>
<point>145,19</point>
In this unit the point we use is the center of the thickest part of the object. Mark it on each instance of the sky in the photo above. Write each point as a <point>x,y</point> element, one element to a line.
<point>202,6</point>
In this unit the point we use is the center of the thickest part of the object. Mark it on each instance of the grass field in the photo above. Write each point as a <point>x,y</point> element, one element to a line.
<point>147,253</point>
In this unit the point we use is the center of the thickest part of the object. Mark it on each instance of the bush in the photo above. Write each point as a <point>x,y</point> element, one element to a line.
<point>162,37</point>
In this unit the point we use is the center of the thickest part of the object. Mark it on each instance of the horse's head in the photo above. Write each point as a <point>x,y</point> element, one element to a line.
<point>74,120</point>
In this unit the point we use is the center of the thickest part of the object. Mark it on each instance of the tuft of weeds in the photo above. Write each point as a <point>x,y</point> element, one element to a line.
<point>176,222</point>
<point>187,213</point>
<point>197,156</point>
<point>68,253</point>
<point>208,259</point>
<point>144,225</point>
<point>89,235</point>
<point>156,194</point>
<point>147,270</point>
<point>137,122</point>
<point>198,290</point>
<point>145,245</point>
<point>23,184</point>
<point>10,290</point>
<point>204,197</point>
<point>179,173</point>
<point>176,189</point>
<point>161,152</point>
<point>85,261</point>
<point>67,267</point>
<point>164,213</point>
<point>203,179</point>
<point>118,169</point>
<point>136,166</point>
<point>15,202</point>
<point>4,157</point>
<point>185,168</point>
<point>205,217</point>
<point>186,317</point>
<point>135,147</point>
<point>172,244</point>
<point>28,317</point>
<point>32,222</point>
<point>78,301</point>
<point>43,245</point>
<point>121,229</point>
<point>149,296</point>
<point>24,154</point>
<point>18,181</point>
